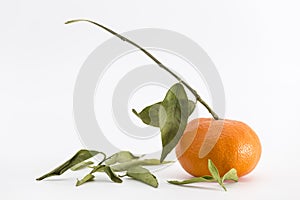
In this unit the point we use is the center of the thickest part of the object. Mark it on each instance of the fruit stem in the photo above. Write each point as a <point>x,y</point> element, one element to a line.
<point>194,92</point>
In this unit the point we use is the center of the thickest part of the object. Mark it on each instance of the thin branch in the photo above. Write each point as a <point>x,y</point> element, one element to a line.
<point>197,96</point>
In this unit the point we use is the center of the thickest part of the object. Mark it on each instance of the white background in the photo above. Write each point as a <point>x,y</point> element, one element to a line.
<point>254,44</point>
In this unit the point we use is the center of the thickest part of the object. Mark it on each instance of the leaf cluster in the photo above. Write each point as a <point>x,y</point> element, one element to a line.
<point>124,161</point>
<point>214,177</point>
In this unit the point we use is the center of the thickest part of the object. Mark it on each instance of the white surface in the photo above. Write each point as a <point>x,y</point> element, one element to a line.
<point>254,44</point>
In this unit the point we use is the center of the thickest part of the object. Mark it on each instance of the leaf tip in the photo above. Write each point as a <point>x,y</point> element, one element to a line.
<point>172,182</point>
<point>68,22</point>
<point>40,178</point>
<point>135,112</point>
<point>162,158</point>
<point>164,154</point>
<point>119,181</point>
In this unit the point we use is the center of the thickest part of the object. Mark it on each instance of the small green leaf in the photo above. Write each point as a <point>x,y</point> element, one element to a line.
<point>193,180</point>
<point>133,163</point>
<point>215,176</point>
<point>79,157</point>
<point>173,116</point>
<point>82,165</point>
<point>120,157</point>
<point>213,170</point>
<point>141,174</point>
<point>149,115</point>
<point>231,175</point>
<point>112,175</point>
<point>215,173</point>
<point>85,179</point>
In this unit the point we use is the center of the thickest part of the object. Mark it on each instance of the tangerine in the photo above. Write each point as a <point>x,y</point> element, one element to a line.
<point>228,143</point>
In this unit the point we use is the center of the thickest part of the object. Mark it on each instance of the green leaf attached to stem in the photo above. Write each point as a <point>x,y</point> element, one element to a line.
<point>173,116</point>
<point>215,173</point>
<point>231,175</point>
<point>142,174</point>
<point>149,115</point>
<point>215,177</point>
<point>79,157</point>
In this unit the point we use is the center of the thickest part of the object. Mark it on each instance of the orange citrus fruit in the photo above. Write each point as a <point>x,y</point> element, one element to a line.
<point>228,143</point>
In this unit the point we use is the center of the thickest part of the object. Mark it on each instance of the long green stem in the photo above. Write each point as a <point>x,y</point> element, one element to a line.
<point>194,92</point>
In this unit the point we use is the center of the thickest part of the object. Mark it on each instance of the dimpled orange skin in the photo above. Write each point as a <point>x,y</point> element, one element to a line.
<point>237,147</point>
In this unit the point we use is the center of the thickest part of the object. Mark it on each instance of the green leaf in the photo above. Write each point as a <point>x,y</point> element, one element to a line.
<point>112,175</point>
<point>120,157</point>
<point>126,165</point>
<point>215,176</point>
<point>85,179</point>
<point>142,174</point>
<point>193,180</point>
<point>215,173</point>
<point>173,118</point>
<point>79,157</point>
<point>149,115</point>
<point>231,175</point>
<point>82,165</point>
